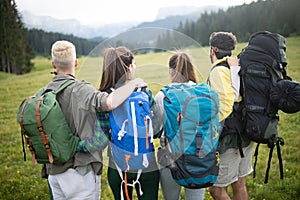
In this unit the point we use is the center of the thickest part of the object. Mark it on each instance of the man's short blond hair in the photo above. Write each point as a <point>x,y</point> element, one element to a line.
<point>63,55</point>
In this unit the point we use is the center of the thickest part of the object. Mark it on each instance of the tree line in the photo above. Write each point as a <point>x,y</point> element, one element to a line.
<point>42,41</point>
<point>15,52</point>
<point>280,16</point>
<point>19,45</point>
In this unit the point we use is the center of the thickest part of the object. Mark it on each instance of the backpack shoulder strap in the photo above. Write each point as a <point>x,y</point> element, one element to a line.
<point>165,89</point>
<point>219,63</point>
<point>64,85</point>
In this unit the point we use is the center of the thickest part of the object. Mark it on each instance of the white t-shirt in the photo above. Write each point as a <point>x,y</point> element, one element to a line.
<point>235,81</point>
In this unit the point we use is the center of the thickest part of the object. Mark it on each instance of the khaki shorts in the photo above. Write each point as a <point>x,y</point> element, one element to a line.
<point>233,166</point>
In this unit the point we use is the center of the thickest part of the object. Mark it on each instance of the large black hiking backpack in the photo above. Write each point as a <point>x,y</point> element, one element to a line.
<point>262,66</point>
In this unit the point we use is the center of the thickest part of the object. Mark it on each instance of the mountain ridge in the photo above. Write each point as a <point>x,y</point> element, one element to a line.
<point>167,17</point>
<point>73,26</point>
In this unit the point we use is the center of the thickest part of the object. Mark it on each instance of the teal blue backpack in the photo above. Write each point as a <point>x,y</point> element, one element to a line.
<point>191,131</point>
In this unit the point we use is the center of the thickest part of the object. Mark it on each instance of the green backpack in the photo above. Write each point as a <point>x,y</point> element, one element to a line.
<point>44,128</point>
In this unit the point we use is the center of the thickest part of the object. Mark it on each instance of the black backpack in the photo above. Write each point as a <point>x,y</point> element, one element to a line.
<point>262,64</point>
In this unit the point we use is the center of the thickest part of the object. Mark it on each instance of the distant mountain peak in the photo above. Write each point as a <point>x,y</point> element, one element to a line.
<point>167,17</point>
<point>175,10</point>
<point>170,17</point>
<point>183,10</point>
<point>73,26</point>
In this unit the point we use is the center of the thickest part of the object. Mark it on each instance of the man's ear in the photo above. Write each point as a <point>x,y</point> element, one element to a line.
<point>214,50</point>
<point>76,62</point>
<point>211,52</point>
<point>53,65</point>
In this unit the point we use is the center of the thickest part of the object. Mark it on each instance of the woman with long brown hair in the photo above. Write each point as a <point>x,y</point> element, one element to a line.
<point>181,70</point>
<point>118,70</point>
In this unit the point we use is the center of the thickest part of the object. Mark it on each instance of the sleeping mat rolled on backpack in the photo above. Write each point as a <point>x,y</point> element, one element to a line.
<point>286,96</point>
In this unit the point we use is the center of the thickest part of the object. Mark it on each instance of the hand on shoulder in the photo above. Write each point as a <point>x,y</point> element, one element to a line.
<point>139,83</point>
<point>233,61</point>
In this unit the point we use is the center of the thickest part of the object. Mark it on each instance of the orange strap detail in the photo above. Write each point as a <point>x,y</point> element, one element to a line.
<point>179,116</point>
<point>147,132</point>
<point>41,130</point>
<point>127,157</point>
<point>125,186</point>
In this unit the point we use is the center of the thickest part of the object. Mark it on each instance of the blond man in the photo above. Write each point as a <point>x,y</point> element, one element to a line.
<point>79,177</point>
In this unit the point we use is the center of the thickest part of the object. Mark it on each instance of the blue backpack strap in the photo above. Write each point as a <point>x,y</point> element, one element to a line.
<point>165,89</point>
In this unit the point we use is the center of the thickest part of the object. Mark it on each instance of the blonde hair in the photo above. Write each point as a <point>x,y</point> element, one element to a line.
<point>63,55</point>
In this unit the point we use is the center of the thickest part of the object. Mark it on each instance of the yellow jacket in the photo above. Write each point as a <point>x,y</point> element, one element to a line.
<point>220,81</point>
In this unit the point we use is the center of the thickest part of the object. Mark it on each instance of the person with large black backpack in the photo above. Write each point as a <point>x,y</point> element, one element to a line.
<point>235,151</point>
<point>265,89</point>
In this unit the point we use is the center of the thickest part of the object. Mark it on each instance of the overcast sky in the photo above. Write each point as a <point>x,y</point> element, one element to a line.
<point>110,11</point>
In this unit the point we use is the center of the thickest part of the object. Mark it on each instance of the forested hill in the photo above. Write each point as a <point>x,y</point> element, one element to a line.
<point>17,43</point>
<point>41,42</point>
<point>281,16</point>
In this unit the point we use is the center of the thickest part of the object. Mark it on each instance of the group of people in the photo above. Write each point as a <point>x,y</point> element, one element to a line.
<point>83,105</point>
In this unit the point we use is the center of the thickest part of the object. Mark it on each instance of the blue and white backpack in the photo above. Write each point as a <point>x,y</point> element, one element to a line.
<point>192,132</point>
<point>132,134</point>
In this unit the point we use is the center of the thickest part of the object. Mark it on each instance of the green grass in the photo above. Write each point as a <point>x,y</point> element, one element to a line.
<point>21,180</point>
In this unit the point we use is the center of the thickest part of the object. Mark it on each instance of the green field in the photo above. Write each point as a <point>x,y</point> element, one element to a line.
<point>21,180</point>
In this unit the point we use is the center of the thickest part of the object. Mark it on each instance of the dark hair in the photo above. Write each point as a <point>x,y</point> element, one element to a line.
<point>222,43</point>
<point>184,69</point>
<point>116,62</point>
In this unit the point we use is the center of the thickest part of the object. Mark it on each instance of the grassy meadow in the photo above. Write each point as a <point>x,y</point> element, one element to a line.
<point>21,180</point>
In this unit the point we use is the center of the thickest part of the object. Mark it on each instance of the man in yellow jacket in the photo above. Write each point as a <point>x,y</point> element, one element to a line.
<point>235,150</point>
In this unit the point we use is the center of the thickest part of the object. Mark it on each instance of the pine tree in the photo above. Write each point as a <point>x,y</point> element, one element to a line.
<point>15,52</point>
